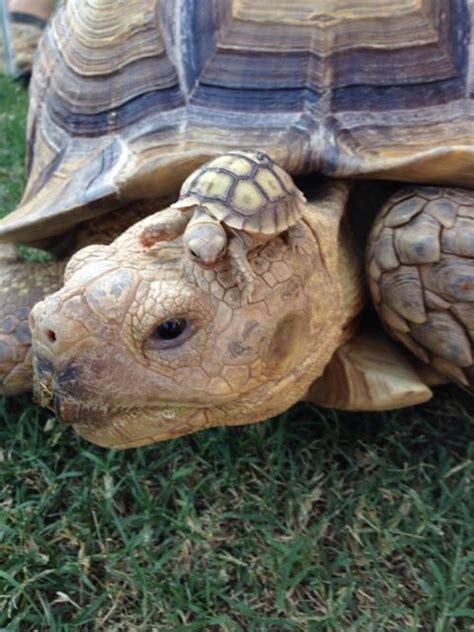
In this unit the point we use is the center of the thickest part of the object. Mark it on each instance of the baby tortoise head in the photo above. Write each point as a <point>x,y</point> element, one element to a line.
<point>205,240</point>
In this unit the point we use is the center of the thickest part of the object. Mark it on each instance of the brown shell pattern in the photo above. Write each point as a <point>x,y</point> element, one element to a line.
<point>247,191</point>
<point>129,98</point>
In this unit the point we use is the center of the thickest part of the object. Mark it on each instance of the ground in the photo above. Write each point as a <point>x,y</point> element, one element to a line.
<point>313,521</point>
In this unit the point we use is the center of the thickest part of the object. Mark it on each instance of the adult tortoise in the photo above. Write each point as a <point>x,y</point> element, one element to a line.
<point>134,344</point>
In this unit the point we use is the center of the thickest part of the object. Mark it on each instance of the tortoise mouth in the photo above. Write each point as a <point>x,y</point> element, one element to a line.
<point>113,425</point>
<point>123,427</point>
<point>75,412</point>
<point>209,266</point>
<point>72,411</point>
<point>133,427</point>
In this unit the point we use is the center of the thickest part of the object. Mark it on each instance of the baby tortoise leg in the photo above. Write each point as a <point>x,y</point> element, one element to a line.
<point>369,373</point>
<point>22,285</point>
<point>298,237</point>
<point>238,249</point>
<point>169,225</point>
<point>420,266</point>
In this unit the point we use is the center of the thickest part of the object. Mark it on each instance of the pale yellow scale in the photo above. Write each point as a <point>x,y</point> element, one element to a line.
<point>247,198</point>
<point>270,184</point>
<point>214,186</point>
<point>238,166</point>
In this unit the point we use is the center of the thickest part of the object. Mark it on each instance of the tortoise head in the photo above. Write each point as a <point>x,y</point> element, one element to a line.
<point>141,346</point>
<point>205,241</point>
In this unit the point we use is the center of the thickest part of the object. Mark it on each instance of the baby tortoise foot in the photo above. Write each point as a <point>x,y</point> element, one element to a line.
<point>421,273</point>
<point>297,238</point>
<point>168,226</point>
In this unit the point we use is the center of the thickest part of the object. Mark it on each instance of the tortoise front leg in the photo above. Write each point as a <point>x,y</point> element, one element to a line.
<point>169,225</point>
<point>22,285</point>
<point>420,266</point>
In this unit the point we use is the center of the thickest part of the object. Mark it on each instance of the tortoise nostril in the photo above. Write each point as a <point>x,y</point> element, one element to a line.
<point>51,335</point>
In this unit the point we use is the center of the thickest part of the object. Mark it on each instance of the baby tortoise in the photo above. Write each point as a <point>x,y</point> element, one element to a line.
<point>232,205</point>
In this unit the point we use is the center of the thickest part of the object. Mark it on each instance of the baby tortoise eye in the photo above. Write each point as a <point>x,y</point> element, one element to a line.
<point>170,329</point>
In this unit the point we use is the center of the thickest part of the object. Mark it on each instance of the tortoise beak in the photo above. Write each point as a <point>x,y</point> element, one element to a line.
<point>55,390</point>
<point>43,390</point>
<point>45,387</point>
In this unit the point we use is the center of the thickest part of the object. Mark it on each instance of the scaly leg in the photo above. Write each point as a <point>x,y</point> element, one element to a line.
<point>169,225</point>
<point>27,20</point>
<point>22,285</point>
<point>241,267</point>
<point>420,266</point>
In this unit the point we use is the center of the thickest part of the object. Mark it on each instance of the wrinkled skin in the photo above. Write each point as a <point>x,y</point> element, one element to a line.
<point>100,363</point>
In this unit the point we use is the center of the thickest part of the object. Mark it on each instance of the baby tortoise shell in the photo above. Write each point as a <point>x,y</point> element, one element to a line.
<point>246,191</point>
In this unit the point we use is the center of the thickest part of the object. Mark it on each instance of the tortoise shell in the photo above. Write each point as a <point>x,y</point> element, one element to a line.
<point>128,98</point>
<point>246,191</point>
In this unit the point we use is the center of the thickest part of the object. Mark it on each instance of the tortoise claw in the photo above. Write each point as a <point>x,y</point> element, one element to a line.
<point>152,235</point>
<point>246,288</point>
<point>298,239</point>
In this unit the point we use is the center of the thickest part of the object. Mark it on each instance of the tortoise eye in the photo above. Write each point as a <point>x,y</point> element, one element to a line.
<point>170,329</point>
<point>170,334</point>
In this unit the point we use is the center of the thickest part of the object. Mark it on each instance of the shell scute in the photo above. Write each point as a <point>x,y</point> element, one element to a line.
<point>216,184</point>
<point>284,177</point>
<point>247,199</point>
<point>265,202</point>
<point>239,166</point>
<point>270,185</point>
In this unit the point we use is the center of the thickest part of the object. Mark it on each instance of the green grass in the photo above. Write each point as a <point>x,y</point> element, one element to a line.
<point>314,521</point>
<point>13,106</point>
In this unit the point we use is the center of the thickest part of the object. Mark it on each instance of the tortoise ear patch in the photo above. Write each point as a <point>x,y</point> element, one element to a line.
<point>286,345</point>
